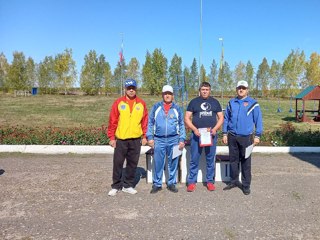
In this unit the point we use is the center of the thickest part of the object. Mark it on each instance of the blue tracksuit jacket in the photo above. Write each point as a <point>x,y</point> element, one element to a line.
<point>162,125</point>
<point>243,117</point>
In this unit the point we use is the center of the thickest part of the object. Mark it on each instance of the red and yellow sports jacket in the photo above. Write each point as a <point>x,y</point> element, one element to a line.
<point>124,124</point>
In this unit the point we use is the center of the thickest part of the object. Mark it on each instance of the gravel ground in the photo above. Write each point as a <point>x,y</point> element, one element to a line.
<point>65,197</point>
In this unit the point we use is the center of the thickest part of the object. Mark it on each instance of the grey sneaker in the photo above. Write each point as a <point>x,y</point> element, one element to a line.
<point>113,192</point>
<point>129,190</point>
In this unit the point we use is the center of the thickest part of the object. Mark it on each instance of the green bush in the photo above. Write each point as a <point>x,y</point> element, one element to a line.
<point>53,136</point>
<point>286,135</point>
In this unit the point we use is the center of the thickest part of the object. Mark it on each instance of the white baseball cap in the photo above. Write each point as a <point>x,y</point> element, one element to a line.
<point>242,83</point>
<point>167,88</point>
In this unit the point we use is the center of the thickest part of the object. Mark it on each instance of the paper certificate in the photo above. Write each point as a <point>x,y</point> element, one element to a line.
<point>176,152</point>
<point>205,137</point>
<point>248,151</point>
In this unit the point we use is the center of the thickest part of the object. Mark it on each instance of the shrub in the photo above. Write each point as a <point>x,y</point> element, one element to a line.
<point>53,136</point>
<point>286,135</point>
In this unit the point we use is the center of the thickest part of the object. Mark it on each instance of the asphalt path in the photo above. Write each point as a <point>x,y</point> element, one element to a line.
<point>65,197</point>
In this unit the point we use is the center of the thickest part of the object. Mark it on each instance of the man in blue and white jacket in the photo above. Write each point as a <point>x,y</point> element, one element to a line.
<point>165,130</point>
<point>242,127</point>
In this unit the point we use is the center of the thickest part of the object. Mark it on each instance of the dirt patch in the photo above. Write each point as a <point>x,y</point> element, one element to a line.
<point>65,197</point>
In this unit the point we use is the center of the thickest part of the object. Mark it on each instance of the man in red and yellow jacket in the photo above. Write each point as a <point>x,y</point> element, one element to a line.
<point>127,129</point>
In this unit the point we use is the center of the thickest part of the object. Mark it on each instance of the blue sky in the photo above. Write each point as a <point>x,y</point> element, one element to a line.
<point>251,29</point>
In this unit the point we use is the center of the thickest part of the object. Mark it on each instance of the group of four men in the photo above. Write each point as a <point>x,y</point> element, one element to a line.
<point>130,126</point>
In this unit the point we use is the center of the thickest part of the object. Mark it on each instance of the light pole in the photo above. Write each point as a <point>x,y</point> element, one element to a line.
<point>200,43</point>
<point>221,68</point>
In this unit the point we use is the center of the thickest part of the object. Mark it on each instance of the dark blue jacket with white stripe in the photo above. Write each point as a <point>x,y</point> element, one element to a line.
<point>162,125</point>
<point>243,117</point>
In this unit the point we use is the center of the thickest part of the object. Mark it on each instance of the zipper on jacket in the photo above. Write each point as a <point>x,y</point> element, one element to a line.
<point>237,118</point>
<point>166,115</point>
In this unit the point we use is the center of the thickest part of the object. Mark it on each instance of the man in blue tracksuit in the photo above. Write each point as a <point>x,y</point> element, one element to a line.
<point>242,121</point>
<point>165,130</point>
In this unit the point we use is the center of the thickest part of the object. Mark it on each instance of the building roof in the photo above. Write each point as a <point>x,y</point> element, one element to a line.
<point>310,93</point>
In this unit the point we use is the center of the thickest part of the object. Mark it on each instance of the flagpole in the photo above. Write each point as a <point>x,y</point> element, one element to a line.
<point>121,59</point>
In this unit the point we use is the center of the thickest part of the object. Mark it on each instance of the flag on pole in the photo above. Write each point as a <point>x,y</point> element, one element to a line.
<point>121,54</point>
<point>221,60</point>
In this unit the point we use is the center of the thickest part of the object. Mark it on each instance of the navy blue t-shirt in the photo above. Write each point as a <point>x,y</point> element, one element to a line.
<point>204,111</point>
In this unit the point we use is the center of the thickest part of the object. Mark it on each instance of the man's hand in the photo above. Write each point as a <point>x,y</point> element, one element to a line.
<point>144,141</point>
<point>151,143</point>
<point>225,139</point>
<point>196,132</point>
<point>213,131</point>
<point>256,141</point>
<point>181,145</point>
<point>113,143</point>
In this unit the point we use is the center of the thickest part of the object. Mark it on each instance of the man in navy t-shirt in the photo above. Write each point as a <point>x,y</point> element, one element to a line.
<point>203,113</point>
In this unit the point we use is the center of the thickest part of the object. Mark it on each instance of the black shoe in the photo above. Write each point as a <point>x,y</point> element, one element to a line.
<point>230,186</point>
<point>239,184</point>
<point>172,188</point>
<point>246,190</point>
<point>155,189</point>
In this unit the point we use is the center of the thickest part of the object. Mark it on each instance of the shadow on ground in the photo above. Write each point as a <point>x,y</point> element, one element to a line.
<point>141,173</point>
<point>313,159</point>
<point>289,119</point>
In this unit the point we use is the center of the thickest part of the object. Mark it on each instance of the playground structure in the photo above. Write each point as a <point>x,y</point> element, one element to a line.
<point>180,91</point>
<point>305,114</point>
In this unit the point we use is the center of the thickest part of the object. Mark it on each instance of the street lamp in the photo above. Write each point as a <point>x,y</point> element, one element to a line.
<point>221,60</point>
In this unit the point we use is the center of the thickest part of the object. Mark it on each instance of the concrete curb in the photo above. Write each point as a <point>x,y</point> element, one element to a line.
<point>104,149</point>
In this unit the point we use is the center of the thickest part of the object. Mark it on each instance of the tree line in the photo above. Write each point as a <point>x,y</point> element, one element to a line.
<point>58,74</point>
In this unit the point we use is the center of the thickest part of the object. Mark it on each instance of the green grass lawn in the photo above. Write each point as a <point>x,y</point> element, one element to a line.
<point>81,120</point>
<point>93,111</point>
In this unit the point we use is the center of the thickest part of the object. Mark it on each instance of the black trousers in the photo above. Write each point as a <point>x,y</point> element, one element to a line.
<point>125,150</point>
<point>237,149</point>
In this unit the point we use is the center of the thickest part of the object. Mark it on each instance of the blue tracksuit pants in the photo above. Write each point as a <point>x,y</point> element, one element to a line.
<point>162,148</point>
<point>196,151</point>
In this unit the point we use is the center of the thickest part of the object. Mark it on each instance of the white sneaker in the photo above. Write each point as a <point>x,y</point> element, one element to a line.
<point>129,190</point>
<point>113,192</point>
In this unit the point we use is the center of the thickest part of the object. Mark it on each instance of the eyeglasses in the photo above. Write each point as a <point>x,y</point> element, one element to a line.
<point>131,88</point>
<point>241,87</point>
